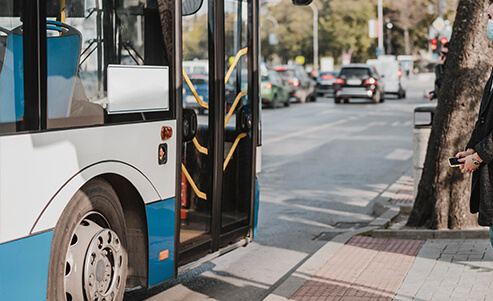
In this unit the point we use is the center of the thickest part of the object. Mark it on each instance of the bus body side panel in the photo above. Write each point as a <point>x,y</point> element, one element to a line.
<point>54,210</point>
<point>53,158</point>
<point>257,204</point>
<point>24,267</point>
<point>161,228</point>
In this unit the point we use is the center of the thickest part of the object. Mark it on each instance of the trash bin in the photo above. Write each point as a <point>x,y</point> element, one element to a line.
<point>423,119</point>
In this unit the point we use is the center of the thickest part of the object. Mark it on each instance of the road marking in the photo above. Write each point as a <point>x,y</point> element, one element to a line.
<point>377,123</point>
<point>326,112</point>
<point>402,124</point>
<point>305,221</point>
<point>400,154</point>
<point>309,130</point>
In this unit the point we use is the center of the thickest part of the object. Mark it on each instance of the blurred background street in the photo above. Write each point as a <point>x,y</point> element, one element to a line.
<point>323,166</point>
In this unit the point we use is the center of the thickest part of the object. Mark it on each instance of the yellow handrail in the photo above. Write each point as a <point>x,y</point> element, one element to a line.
<point>233,66</point>
<point>190,85</point>
<point>232,150</point>
<point>62,12</point>
<point>233,107</point>
<point>199,147</point>
<point>199,193</point>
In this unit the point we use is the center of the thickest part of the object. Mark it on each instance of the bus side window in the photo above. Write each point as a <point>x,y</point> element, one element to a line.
<point>11,77</point>
<point>67,102</point>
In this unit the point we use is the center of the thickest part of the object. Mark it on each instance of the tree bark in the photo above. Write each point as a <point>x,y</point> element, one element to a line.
<point>443,195</point>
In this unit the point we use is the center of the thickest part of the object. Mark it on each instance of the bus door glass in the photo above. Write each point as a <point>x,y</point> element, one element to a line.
<point>198,220</point>
<point>237,167</point>
<point>11,68</point>
<point>196,203</point>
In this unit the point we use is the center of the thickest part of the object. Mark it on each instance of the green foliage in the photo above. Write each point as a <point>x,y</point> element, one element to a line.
<point>343,28</point>
<point>295,33</point>
<point>195,35</point>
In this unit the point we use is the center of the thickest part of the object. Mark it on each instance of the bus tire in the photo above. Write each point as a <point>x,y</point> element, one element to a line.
<point>88,258</point>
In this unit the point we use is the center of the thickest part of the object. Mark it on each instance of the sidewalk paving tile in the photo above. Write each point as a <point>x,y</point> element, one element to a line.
<point>465,274</point>
<point>365,268</point>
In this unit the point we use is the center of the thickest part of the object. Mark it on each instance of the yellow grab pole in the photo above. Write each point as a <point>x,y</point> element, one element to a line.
<point>233,107</point>
<point>232,150</point>
<point>233,66</point>
<point>199,193</point>
<point>62,11</point>
<point>190,85</point>
<point>199,147</point>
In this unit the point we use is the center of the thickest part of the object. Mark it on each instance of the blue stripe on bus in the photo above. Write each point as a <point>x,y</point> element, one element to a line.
<point>161,227</point>
<point>257,204</point>
<point>24,267</point>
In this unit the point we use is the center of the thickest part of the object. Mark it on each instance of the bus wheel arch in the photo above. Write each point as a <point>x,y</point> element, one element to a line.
<point>136,223</point>
<point>90,236</point>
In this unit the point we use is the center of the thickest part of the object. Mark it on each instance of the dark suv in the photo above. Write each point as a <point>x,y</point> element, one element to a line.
<point>302,85</point>
<point>358,81</point>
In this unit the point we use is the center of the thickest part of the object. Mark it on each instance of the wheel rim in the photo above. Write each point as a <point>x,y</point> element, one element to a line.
<point>93,265</point>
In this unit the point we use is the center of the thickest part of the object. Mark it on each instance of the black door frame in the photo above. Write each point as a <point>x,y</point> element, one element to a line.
<point>217,71</point>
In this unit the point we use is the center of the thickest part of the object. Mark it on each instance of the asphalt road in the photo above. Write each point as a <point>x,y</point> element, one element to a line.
<point>322,167</point>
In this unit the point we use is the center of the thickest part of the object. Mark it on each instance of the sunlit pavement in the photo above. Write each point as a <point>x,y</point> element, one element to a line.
<point>369,268</point>
<point>323,167</point>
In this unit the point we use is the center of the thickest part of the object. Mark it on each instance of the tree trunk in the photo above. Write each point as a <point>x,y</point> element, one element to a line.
<point>443,195</point>
<point>407,42</point>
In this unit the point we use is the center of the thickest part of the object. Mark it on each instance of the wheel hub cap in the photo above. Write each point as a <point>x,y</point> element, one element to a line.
<point>94,260</point>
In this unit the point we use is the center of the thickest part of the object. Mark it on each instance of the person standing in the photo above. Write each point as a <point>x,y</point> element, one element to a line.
<point>478,156</point>
<point>439,68</point>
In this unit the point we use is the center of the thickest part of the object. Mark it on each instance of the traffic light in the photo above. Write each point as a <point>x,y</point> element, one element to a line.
<point>443,41</point>
<point>434,44</point>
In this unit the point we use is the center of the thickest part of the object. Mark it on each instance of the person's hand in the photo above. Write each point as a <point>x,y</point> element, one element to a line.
<point>465,153</point>
<point>468,165</point>
<point>441,59</point>
<point>431,95</point>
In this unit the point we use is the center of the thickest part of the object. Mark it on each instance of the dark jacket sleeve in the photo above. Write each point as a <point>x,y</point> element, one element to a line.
<point>438,78</point>
<point>473,140</point>
<point>484,148</point>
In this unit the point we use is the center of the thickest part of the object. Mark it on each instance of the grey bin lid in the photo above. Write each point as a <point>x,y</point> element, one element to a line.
<point>423,115</point>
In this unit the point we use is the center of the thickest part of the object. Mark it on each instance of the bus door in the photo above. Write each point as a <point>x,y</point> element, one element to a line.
<point>217,165</point>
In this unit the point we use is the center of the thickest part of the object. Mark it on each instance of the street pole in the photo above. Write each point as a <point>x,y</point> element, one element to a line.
<point>440,8</point>
<point>315,36</point>
<point>380,26</point>
<point>389,37</point>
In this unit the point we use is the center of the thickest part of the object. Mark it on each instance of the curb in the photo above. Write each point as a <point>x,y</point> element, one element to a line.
<point>432,234</point>
<point>304,273</point>
<point>382,204</point>
<point>385,212</point>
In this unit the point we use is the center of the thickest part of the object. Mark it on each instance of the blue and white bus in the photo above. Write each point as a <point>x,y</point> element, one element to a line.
<point>106,181</point>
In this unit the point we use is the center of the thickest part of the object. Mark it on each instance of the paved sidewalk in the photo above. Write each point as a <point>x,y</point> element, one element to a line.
<point>450,269</point>
<point>365,268</point>
<point>353,267</point>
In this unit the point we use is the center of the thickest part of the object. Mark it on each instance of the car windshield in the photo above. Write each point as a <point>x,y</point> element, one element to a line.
<point>355,72</point>
<point>199,81</point>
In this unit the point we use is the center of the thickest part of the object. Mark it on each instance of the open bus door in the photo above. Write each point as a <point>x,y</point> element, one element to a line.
<point>218,165</point>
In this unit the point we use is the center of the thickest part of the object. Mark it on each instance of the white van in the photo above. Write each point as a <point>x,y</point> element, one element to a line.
<point>393,77</point>
<point>196,66</point>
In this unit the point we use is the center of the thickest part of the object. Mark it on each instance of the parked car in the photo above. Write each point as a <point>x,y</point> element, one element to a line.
<point>358,81</point>
<point>274,90</point>
<point>300,81</point>
<point>200,83</point>
<point>391,73</point>
<point>325,82</point>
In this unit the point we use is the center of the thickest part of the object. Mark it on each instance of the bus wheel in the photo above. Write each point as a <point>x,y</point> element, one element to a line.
<point>88,254</point>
